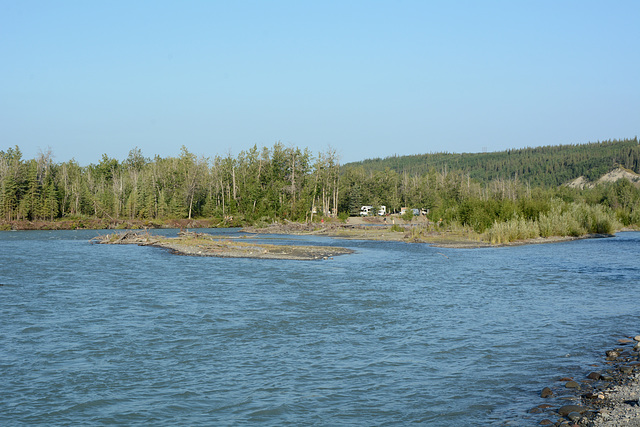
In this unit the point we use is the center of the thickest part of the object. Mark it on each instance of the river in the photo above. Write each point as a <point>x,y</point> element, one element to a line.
<point>393,334</point>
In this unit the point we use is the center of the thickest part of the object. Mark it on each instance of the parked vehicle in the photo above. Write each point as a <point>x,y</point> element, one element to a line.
<point>366,210</point>
<point>369,210</point>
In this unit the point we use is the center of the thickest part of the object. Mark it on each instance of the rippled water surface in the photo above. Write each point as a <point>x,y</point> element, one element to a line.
<point>393,334</point>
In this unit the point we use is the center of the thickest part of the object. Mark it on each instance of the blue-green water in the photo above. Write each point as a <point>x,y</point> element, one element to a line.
<point>393,334</point>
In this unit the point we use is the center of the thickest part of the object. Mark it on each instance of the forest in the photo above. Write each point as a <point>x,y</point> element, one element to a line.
<point>277,182</point>
<point>548,166</point>
<point>516,193</point>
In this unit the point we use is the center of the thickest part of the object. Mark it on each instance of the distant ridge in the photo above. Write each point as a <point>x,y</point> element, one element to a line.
<point>613,176</point>
<point>543,166</point>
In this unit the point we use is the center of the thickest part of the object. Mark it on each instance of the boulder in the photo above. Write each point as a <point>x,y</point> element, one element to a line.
<point>546,392</point>
<point>594,376</point>
<point>572,384</point>
<point>612,354</point>
<point>574,416</point>
<point>567,409</point>
<point>626,369</point>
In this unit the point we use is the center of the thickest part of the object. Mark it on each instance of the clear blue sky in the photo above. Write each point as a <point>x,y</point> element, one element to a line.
<point>368,78</point>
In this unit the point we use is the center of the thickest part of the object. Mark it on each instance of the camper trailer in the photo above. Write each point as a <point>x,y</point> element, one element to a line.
<point>369,210</point>
<point>366,210</point>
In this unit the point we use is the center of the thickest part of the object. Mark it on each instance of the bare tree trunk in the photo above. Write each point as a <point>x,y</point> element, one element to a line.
<point>293,180</point>
<point>233,177</point>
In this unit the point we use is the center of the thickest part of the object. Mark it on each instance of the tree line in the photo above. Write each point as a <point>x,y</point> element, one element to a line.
<point>279,182</point>
<point>276,182</point>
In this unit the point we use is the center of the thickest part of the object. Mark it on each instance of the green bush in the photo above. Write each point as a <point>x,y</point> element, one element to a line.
<point>512,230</point>
<point>407,216</point>
<point>396,227</point>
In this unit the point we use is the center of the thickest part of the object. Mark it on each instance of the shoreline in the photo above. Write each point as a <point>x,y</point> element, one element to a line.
<point>605,397</point>
<point>439,239</point>
<point>354,229</point>
<point>107,224</point>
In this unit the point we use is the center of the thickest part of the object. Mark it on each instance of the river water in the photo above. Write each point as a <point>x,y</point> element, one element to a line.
<point>393,334</point>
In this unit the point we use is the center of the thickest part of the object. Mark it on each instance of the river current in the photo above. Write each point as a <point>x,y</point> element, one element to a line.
<point>393,334</point>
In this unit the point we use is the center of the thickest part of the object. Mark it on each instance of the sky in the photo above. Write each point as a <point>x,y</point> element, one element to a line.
<point>366,78</point>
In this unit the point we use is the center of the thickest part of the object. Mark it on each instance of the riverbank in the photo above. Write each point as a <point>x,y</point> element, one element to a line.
<point>375,228</point>
<point>206,245</point>
<point>605,397</point>
<point>414,232</point>
<point>108,224</point>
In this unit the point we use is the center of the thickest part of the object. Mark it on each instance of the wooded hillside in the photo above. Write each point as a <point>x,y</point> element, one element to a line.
<point>541,166</point>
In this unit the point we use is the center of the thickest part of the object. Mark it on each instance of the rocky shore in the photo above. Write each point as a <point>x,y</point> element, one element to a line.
<point>190,243</point>
<point>609,397</point>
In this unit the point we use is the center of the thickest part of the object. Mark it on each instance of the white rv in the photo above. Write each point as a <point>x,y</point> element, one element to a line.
<point>366,210</point>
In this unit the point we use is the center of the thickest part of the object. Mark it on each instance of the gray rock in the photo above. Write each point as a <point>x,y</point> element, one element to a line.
<point>574,416</point>
<point>546,392</point>
<point>626,369</point>
<point>594,376</point>
<point>546,422</point>
<point>567,409</point>
<point>572,384</point>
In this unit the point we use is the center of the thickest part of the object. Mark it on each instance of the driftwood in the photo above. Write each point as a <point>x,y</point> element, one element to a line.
<point>192,234</point>
<point>126,238</point>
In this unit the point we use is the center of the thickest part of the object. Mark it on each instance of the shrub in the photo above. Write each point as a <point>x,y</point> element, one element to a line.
<point>512,230</point>
<point>407,216</point>
<point>396,227</point>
